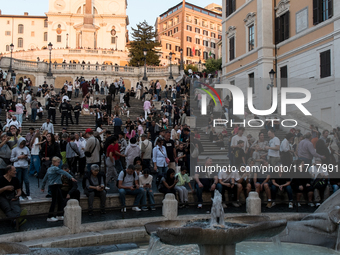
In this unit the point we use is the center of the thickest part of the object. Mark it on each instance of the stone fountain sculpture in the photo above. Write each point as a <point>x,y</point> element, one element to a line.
<point>216,237</point>
<point>319,228</point>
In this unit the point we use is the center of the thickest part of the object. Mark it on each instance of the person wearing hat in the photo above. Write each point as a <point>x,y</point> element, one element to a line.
<point>92,149</point>
<point>77,110</point>
<point>63,108</point>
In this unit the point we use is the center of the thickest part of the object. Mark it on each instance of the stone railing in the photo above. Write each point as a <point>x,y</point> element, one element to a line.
<point>70,68</point>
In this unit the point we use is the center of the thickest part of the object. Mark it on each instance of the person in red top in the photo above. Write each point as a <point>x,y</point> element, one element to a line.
<point>113,157</point>
<point>197,135</point>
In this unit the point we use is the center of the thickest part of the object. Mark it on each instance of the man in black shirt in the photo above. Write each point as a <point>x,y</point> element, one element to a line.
<point>239,154</point>
<point>153,132</point>
<point>170,150</point>
<point>109,104</point>
<point>10,192</point>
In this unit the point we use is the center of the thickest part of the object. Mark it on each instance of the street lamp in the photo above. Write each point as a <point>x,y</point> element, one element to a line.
<point>145,52</point>
<point>170,57</point>
<point>67,41</point>
<point>50,45</point>
<point>181,67</point>
<point>10,64</point>
<point>271,76</point>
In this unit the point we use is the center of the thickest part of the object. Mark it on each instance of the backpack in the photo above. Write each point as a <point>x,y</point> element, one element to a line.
<point>122,90</point>
<point>134,177</point>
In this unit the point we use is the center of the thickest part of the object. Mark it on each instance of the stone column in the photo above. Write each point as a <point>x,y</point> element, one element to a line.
<point>170,207</point>
<point>72,216</point>
<point>253,204</point>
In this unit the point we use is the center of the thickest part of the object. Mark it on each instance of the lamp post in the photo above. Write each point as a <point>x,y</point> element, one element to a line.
<point>67,41</point>
<point>181,67</point>
<point>170,57</point>
<point>271,85</point>
<point>145,52</point>
<point>50,45</point>
<point>10,63</point>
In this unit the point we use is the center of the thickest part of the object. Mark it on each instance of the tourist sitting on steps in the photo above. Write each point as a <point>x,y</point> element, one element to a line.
<point>128,185</point>
<point>145,181</point>
<point>69,189</point>
<point>95,187</point>
<point>183,178</point>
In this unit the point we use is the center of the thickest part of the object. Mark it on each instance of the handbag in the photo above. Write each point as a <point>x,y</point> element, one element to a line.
<point>167,160</point>
<point>89,154</point>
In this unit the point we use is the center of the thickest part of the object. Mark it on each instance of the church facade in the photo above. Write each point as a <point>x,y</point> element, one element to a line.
<point>81,30</point>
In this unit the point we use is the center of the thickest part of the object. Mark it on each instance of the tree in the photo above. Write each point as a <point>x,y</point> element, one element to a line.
<point>213,65</point>
<point>144,37</point>
<point>192,67</point>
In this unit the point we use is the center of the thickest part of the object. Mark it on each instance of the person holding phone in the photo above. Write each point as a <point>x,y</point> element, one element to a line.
<point>145,182</point>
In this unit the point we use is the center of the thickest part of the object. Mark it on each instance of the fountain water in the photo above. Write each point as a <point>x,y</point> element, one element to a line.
<point>215,236</point>
<point>154,245</point>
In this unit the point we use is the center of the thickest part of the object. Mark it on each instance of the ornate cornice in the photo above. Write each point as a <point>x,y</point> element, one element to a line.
<point>282,7</point>
<point>250,18</point>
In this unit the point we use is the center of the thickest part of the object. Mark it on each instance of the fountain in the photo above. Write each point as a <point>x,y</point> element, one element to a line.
<point>215,236</point>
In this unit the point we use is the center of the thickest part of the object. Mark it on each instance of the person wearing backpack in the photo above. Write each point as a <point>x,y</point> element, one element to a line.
<point>92,149</point>
<point>128,185</point>
<point>122,93</point>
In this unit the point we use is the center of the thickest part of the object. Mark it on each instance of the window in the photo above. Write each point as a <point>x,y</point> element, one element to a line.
<point>189,28</point>
<point>204,23</point>
<point>205,43</point>
<point>205,55</point>
<point>325,64</point>
<point>7,33</point>
<point>189,39</point>
<point>8,22</point>
<point>197,30</point>
<point>282,28</point>
<point>168,46</point>
<point>205,32</point>
<point>212,26</point>
<point>20,29</point>
<point>188,19</point>
<point>230,7</point>
<point>164,26</point>
<point>212,55</point>
<point>284,77</point>
<point>220,37</point>
<point>322,10</point>
<point>113,40</point>
<point>45,37</point>
<point>198,41</point>
<point>196,21</point>
<point>251,39</point>
<point>177,48</point>
<point>59,38</point>
<point>189,52</point>
<point>20,42</point>
<point>213,45</point>
<point>175,30</point>
<point>213,35</point>
<point>32,22</point>
<point>251,77</point>
<point>198,53</point>
<point>219,29</point>
<point>231,48</point>
<point>170,33</point>
<point>171,22</point>
<point>32,33</point>
<point>7,48</point>
<point>45,23</point>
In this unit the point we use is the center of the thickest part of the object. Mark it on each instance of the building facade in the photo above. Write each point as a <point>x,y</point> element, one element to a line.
<point>299,40</point>
<point>73,25</point>
<point>189,27</point>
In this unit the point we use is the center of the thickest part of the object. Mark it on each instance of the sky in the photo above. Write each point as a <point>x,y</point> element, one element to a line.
<point>138,10</point>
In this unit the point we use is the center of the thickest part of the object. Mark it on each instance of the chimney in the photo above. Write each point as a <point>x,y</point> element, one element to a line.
<point>25,13</point>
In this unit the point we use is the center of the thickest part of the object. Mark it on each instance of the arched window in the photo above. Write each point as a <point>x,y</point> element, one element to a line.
<point>79,10</point>
<point>20,29</point>
<point>20,42</point>
<point>7,48</point>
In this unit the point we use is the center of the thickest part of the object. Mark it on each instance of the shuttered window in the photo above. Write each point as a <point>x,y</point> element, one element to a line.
<point>322,10</point>
<point>325,64</point>
<point>282,28</point>
<point>284,76</point>
<point>231,48</point>
<point>251,77</point>
<point>230,7</point>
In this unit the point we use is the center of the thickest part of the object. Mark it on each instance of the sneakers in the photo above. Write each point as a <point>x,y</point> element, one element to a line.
<point>311,204</point>
<point>52,219</point>
<point>153,209</point>
<point>290,206</point>
<point>317,204</point>
<point>21,199</point>
<point>29,198</point>
<point>60,217</point>
<point>145,209</point>
<point>199,206</point>
<point>123,209</point>
<point>136,209</point>
<point>107,188</point>
<point>270,204</point>
<point>235,204</point>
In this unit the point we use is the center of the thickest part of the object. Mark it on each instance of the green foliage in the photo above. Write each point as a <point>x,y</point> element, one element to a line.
<point>194,68</point>
<point>213,65</point>
<point>144,37</point>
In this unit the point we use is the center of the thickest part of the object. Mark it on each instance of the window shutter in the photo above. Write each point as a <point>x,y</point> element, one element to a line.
<point>330,8</point>
<point>328,63</point>
<point>286,24</point>
<point>315,12</point>
<point>227,8</point>
<point>277,30</point>
<point>234,6</point>
<point>232,48</point>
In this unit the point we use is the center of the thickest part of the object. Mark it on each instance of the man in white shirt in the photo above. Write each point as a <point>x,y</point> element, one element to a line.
<point>48,126</point>
<point>146,151</point>
<point>239,137</point>
<point>13,121</point>
<point>273,149</point>
<point>174,134</point>
<point>69,90</point>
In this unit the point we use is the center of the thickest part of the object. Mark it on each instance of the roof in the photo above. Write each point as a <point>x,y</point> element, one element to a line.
<point>22,16</point>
